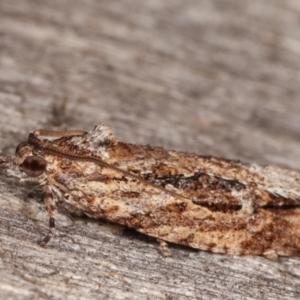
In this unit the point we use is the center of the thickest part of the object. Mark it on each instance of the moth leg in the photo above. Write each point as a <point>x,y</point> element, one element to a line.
<point>271,255</point>
<point>164,248</point>
<point>68,207</point>
<point>50,203</point>
<point>4,162</point>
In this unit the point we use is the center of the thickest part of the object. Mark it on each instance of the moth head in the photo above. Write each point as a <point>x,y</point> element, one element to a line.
<point>31,164</point>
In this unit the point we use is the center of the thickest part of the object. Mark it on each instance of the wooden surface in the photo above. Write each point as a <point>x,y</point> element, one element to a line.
<point>213,77</point>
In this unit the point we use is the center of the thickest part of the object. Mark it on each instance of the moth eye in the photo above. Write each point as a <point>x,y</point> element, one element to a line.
<point>33,166</point>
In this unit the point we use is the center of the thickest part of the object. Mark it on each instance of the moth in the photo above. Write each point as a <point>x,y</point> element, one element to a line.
<point>199,201</point>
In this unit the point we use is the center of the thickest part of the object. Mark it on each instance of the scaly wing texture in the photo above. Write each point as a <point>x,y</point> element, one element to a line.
<point>203,202</point>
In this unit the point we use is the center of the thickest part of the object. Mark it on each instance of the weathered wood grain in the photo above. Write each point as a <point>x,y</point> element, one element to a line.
<point>213,77</point>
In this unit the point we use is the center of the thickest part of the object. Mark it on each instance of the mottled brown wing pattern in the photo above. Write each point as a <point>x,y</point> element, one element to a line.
<point>203,202</point>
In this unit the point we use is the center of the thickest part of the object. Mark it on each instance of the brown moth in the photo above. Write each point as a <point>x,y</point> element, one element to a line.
<point>198,201</point>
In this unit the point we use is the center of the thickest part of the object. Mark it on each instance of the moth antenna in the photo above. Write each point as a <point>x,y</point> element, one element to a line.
<point>60,133</point>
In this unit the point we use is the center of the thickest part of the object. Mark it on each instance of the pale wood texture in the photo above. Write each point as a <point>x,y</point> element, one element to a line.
<point>214,77</point>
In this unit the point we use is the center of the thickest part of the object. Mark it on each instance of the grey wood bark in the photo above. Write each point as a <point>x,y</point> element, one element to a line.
<point>212,77</point>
